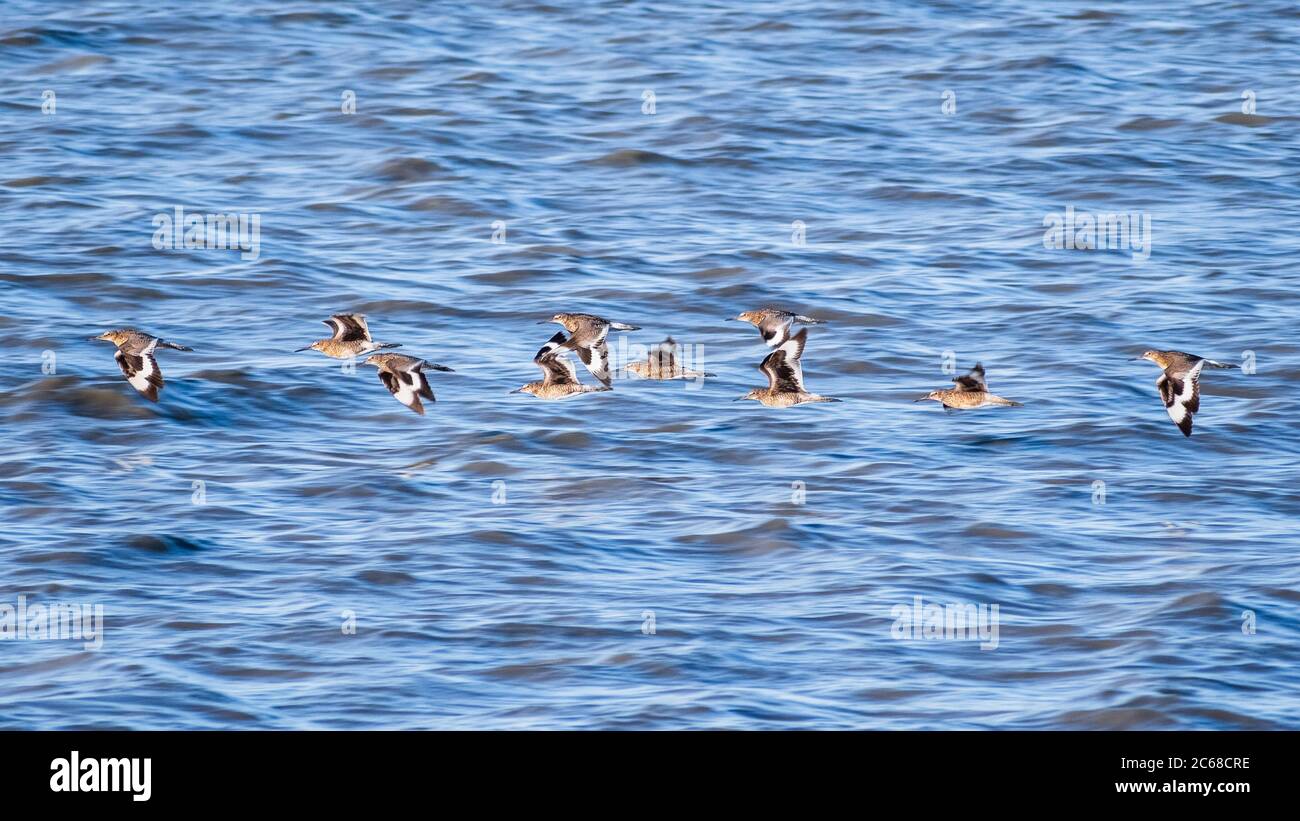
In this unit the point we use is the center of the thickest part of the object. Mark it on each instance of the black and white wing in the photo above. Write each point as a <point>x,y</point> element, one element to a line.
<point>408,384</point>
<point>550,347</point>
<point>558,369</point>
<point>142,371</point>
<point>775,328</point>
<point>782,366</point>
<point>349,327</point>
<point>973,381</point>
<point>593,351</point>
<point>1182,395</point>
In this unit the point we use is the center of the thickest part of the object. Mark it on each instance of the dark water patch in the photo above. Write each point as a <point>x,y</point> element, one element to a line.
<point>408,169</point>
<point>1248,120</point>
<point>163,544</point>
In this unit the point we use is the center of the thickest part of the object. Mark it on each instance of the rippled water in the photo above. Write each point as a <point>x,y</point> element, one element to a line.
<point>504,557</point>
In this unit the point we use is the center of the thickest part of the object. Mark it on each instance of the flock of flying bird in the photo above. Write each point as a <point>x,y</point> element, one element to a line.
<point>404,376</point>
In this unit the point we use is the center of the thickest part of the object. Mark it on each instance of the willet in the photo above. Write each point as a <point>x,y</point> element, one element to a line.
<point>587,335</point>
<point>134,356</point>
<point>971,392</point>
<point>351,338</point>
<point>561,378</point>
<point>404,377</point>
<point>662,364</point>
<point>785,376</point>
<point>774,323</point>
<point>1179,385</point>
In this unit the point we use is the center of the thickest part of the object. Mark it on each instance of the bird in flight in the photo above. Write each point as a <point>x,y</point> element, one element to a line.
<point>351,338</point>
<point>1179,385</point>
<point>972,391</point>
<point>774,324</point>
<point>662,364</point>
<point>135,357</point>
<point>404,377</point>
<point>560,378</point>
<point>587,334</point>
<point>785,376</point>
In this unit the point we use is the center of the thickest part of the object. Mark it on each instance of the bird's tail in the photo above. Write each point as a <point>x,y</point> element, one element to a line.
<point>807,320</point>
<point>1006,403</point>
<point>622,326</point>
<point>1210,363</point>
<point>165,344</point>
<point>825,399</point>
<point>382,345</point>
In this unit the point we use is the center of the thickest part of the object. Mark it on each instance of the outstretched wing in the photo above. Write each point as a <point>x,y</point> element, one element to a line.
<point>775,327</point>
<point>550,347</point>
<point>421,381</point>
<point>784,372</point>
<point>663,361</point>
<point>973,381</point>
<point>558,369</point>
<point>407,386</point>
<point>1182,395</point>
<point>142,371</point>
<point>596,358</point>
<point>349,327</point>
<point>592,349</point>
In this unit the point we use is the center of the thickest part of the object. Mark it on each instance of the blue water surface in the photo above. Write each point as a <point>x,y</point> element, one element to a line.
<point>279,544</point>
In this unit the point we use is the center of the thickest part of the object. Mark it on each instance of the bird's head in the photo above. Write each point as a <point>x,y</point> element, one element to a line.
<point>117,337</point>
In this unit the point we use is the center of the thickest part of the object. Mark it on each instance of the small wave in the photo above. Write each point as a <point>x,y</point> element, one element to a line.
<point>408,169</point>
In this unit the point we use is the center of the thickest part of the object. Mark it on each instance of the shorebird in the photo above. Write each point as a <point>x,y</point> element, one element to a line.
<point>1179,385</point>
<point>971,392</point>
<point>587,335</point>
<point>404,377</point>
<point>351,338</point>
<point>774,323</point>
<point>134,356</point>
<point>662,364</point>
<point>561,378</point>
<point>785,376</point>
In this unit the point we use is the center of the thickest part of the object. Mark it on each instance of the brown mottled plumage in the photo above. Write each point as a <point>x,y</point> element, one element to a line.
<point>351,338</point>
<point>774,324</point>
<point>971,392</point>
<point>662,364</point>
<point>785,376</point>
<point>561,378</point>
<point>404,377</point>
<point>587,334</point>
<point>135,357</point>
<point>1179,385</point>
